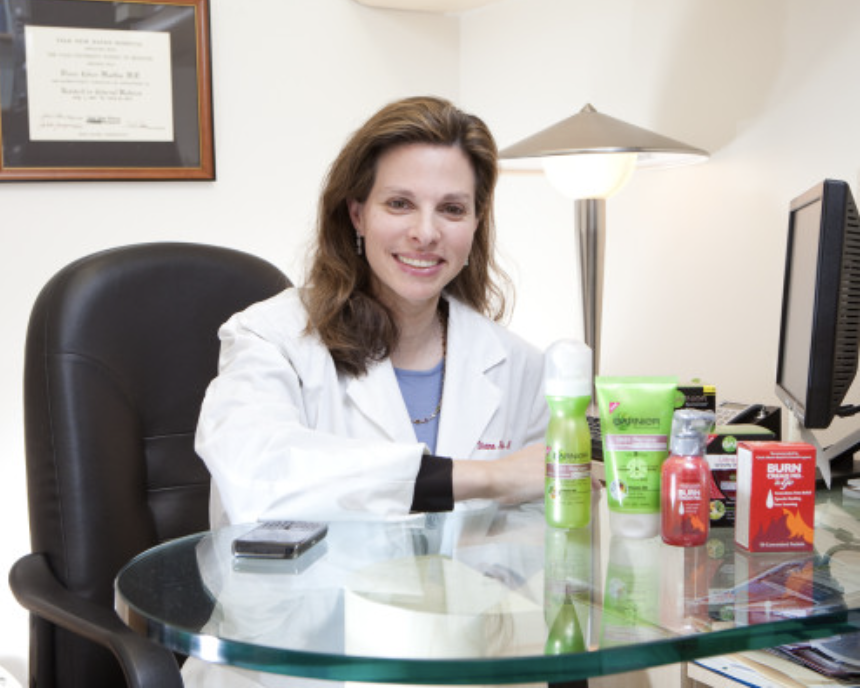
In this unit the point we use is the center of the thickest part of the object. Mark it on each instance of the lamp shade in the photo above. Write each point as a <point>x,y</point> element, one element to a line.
<point>589,176</point>
<point>605,144</point>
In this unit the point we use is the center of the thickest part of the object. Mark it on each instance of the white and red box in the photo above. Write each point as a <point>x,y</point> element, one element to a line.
<point>775,509</point>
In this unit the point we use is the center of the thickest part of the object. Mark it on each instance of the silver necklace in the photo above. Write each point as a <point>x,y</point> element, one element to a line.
<point>443,322</point>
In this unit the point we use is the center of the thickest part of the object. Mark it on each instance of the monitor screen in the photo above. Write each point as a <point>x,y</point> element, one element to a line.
<point>820,329</point>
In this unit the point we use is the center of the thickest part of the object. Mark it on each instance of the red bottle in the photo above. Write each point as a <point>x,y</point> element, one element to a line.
<point>685,481</point>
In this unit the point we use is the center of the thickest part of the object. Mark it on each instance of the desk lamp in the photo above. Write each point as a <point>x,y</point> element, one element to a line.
<point>589,157</point>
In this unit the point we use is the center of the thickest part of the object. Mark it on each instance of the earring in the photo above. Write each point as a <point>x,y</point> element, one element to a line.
<point>359,244</point>
<point>467,261</point>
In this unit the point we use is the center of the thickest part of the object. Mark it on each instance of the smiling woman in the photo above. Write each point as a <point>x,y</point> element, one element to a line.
<point>384,384</point>
<point>416,227</point>
<point>458,159</point>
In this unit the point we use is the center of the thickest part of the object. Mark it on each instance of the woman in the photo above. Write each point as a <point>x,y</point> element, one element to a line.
<point>382,386</point>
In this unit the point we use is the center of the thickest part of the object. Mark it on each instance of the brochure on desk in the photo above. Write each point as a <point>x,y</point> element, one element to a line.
<point>800,586</point>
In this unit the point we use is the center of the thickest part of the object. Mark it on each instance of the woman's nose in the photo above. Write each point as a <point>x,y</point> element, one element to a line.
<point>426,230</point>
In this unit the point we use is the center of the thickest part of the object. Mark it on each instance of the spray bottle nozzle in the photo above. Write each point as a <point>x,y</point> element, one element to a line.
<point>690,430</point>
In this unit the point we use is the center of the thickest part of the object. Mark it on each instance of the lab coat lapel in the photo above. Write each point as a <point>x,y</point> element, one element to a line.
<point>377,395</point>
<point>470,398</point>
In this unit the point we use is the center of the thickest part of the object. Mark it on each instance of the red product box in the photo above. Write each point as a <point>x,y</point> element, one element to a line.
<point>775,509</point>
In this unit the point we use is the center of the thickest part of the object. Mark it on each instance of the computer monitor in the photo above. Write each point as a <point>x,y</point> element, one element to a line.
<point>819,340</point>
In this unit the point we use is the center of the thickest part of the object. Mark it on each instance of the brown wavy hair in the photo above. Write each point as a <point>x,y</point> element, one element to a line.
<point>356,327</point>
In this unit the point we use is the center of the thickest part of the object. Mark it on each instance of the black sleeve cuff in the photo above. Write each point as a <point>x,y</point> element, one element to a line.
<point>434,486</point>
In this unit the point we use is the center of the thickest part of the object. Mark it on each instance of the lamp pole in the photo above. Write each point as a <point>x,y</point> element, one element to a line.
<point>591,227</point>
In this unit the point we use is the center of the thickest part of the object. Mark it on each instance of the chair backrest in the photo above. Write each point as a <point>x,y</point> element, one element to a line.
<point>120,348</point>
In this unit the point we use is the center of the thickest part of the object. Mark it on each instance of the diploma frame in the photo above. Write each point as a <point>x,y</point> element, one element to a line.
<point>173,35</point>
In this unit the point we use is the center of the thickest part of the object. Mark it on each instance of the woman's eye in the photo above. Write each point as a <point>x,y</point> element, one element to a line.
<point>398,204</point>
<point>454,210</point>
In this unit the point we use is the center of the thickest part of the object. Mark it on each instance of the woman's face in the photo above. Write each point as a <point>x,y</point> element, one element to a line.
<point>417,223</point>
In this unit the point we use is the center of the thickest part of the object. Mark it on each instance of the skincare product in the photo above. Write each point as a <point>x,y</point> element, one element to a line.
<point>776,496</point>
<point>635,420</point>
<point>686,481</point>
<point>702,397</point>
<point>568,438</point>
<point>722,457</point>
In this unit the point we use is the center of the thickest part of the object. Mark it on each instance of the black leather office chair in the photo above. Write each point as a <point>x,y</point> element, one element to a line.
<point>120,348</point>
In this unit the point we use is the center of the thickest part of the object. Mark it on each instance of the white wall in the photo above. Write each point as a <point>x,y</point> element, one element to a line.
<point>292,78</point>
<point>694,255</point>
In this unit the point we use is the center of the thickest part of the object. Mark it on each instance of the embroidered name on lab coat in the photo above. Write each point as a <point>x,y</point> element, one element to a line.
<point>501,445</point>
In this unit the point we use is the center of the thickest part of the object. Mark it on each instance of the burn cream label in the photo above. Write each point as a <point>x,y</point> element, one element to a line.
<point>775,496</point>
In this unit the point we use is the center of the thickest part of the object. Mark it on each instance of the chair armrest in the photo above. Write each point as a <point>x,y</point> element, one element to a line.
<point>145,663</point>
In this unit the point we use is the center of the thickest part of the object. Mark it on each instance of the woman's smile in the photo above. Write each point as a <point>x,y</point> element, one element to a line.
<point>418,262</point>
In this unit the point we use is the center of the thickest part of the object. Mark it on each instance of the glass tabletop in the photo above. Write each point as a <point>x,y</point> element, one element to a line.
<point>489,595</point>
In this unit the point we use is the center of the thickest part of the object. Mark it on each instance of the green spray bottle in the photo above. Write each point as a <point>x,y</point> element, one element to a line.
<point>567,386</point>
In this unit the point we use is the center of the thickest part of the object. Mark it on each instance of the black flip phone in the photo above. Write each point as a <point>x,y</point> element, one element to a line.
<point>279,539</point>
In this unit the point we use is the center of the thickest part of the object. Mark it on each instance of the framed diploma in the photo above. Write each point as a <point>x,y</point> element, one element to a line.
<point>105,90</point>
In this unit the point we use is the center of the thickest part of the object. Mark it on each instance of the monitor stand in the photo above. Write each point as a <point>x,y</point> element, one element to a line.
<point>835,462</point>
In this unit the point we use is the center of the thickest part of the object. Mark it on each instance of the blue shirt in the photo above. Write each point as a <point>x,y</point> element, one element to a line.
<point>422,393</point>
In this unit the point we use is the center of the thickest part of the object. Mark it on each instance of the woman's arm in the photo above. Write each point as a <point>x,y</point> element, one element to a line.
<point>268,461</point>
<point>520,476</point>
<point>515,478</point>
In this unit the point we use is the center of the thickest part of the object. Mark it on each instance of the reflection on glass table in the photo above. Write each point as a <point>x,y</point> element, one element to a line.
<point>489,595</point>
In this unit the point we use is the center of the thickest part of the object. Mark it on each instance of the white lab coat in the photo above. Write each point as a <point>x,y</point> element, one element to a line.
<point>284,436</point>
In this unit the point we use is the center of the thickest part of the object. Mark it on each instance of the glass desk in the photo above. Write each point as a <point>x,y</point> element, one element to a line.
<point>479,595</point>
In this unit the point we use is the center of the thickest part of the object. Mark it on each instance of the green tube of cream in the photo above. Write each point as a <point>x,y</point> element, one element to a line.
<point>635,421</point>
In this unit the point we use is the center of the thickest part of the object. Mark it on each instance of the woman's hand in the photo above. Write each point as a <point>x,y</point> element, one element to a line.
<point>516,478</point>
